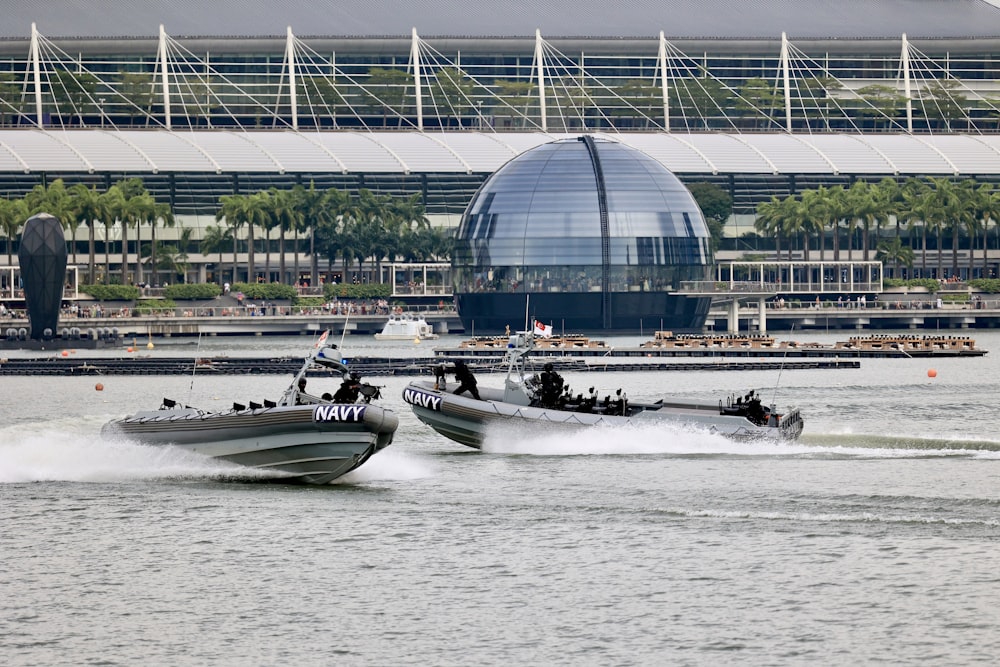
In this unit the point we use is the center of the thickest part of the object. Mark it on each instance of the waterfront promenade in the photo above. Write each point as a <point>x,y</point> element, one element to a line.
<point>886,315</point>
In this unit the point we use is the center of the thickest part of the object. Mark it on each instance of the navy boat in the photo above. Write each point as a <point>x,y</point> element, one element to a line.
<point>309,439</point>
<point>528,399</point>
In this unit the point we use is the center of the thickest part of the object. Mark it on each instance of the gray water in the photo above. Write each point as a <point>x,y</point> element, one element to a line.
<point>874,539</point>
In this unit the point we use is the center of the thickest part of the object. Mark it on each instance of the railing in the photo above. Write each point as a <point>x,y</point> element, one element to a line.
<point>100,312</point>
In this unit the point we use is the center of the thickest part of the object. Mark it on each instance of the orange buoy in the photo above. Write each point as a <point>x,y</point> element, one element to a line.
<point>931,373</point>
<point>129,350</point>
<point>99,387</point>
<point>65,353</point>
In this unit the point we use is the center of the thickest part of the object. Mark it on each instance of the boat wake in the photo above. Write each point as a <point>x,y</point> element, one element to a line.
<point>389,465</point>
<point>28,454</point>
<point>684,441</point>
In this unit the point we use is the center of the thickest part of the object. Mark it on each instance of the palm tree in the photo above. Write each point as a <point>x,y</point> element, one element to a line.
<point>232,209</point>
<point>864,209</point>
<point>987,207</point>
<point>287,217</point>
<point>917,206</point>
<point>141,208</point>
<point>770,221</point>
<point>161,213</point>
<point>816,211</point>
<point>113,202</point>
<point>54,200</point>
<point>88,208</point>
<point>412,219</point>
<point>172,259</point>
<point>239,210</point>
<point>268,222</point>
<point>893,250</point>
<point>216,239</point>
<point>125,207</point>
<point>13,214</point>
<point>317,208</point>
<point>836,205</point>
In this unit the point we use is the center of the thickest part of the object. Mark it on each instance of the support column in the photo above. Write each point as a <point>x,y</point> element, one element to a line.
<point>418,92</point>
<point>907,93</point>
<point>734,317</point>
<point>540,74</point>
<point>164,78</point>
<point>785,66</point>
<point>292,92</point>
<point>662,56</point>
<point>37,73</point>
<point>762,314</point>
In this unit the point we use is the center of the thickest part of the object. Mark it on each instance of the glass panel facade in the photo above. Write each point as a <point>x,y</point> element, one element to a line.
<point>536,225</point>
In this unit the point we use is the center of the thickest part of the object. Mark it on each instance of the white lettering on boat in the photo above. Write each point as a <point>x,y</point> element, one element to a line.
<point>422,399</point>
<point>339,413</point>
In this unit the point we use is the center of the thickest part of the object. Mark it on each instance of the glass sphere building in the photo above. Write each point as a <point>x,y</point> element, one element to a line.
<point>583,234</point>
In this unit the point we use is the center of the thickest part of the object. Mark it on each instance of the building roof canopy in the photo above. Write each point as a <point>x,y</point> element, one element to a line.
<point>222,151</point>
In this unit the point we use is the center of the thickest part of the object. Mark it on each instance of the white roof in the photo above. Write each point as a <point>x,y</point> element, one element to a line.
<point>283,151</point>
<point>472,21</point>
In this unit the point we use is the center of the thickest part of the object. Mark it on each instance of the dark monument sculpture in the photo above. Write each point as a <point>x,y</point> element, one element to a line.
<point>43,272</point>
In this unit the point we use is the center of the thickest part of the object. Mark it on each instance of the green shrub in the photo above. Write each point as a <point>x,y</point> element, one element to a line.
<point>352,291</point>
<point>990,285</point>
<point>111,292</point>
<point>189,291</point>
<point>931,284</point>
<point>894,282</point>
<point>265,291</point>
<point>308,301</point>
<point>151,306</point>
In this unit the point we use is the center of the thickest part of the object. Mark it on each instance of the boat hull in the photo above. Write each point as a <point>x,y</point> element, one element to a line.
<point>310,444</point>
<point>467,421</point>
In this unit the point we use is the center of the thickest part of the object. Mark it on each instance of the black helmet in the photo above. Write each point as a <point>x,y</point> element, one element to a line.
<point>548,366</point>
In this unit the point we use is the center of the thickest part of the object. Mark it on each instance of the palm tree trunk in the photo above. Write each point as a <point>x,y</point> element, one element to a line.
<point>836,240</point>
<point>923,259</point>
<point>152,254</point>
<point>986,235</point>
<point>267,255</point>
<point>124,252</point>
<point>107,254</point>
<point>954,249</point>
<point>281,258</point>
<point>313,259</point>
<point>90,247</point>
<point>234,256</point>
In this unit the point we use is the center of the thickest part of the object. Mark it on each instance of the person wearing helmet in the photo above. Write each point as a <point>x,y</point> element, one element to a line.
<point>552,386</point>
<point>349,389</point>
<point>466,380</point>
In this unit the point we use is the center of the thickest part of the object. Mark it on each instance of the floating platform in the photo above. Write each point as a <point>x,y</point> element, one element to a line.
<point>666,344</point>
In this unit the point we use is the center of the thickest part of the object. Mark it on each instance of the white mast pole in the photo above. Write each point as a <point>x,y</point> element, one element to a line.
<point>415,57</point>
<point>36,67</point>
<point>907,93</point>
<point>292,92</point>
<point>788,89</point>
<point>540,73</point>
<point>164,79</point>
<point>663,82</point>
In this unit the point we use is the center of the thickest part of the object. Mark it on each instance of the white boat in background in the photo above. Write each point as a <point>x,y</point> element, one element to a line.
<point>311,439</point>
<point>406,327</point>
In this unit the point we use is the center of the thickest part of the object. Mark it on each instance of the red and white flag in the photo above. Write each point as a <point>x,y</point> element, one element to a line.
<point>542,330</point>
